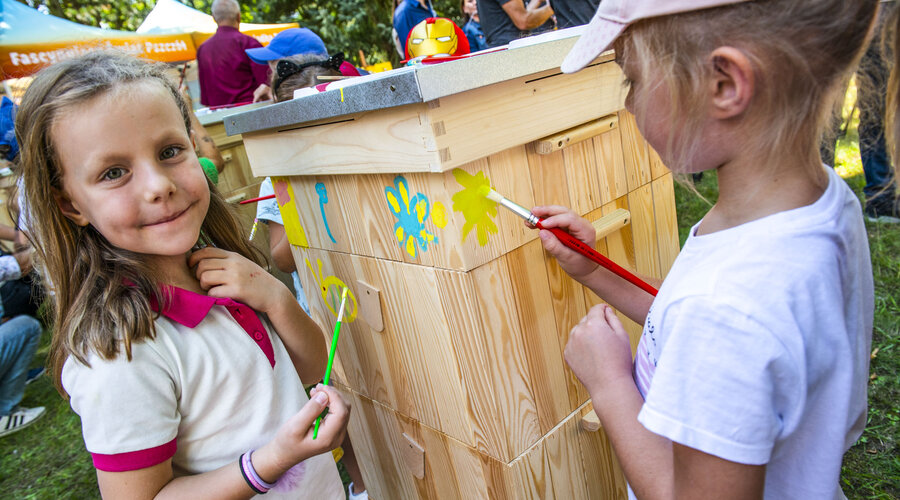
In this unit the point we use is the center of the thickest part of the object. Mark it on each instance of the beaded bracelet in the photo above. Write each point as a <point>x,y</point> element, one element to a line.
<point>250,475</point>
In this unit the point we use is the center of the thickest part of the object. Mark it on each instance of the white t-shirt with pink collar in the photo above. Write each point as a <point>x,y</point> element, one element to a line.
<point>213,384</point>
<point>756,349</point>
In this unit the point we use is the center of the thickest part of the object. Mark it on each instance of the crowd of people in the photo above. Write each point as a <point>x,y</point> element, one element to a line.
<point>750,376</point>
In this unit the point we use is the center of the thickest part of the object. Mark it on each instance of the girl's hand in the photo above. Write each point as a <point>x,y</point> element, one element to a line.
<point>294,441</point>
<point>599,351</point>
<point>572,262</point>
<point>227,274</point>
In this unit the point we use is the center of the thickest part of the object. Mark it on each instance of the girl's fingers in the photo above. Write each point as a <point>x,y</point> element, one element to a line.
<point>213,278</point>
<point>549,210</point>
<point>207,253</point>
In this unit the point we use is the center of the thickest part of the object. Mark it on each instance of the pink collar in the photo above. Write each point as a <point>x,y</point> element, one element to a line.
<point>189,308</point>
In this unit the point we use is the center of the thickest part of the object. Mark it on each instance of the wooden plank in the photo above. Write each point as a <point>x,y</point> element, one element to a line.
<point>374,220</point>
<point>413,455</point>
<point>461,312</point>
<point>489,119</point>
<point>538,330</point>
<point>603,476</point>
<point>635,152</point>
<point>582,177</point>
<point>666,222</point>
<point>563,457</point>
<point>548,178</point>
<point>643,229</point>
<point>505,349</point>
<point>236,173</point>
<point>657,167</point>
<point>568,308</point>
<point>576,134</point>
<point>385,141</point>
<point>370,305</point>
<point>383,470</point>
<point>407,205</point>
<point>508,177</point>
<point>611,177</point>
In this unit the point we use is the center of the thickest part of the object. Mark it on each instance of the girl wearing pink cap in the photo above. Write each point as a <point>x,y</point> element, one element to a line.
<point>750,376</point>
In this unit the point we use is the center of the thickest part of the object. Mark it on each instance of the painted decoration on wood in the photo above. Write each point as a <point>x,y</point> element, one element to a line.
<point>284,194</point>
<point>475,207</point>
<point>323,199</point>
<point>331,288</point>
<point>411,214</point>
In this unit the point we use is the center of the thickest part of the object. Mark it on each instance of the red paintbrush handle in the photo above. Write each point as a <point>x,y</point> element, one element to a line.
<point>254,200</point>
<point>580,247</point>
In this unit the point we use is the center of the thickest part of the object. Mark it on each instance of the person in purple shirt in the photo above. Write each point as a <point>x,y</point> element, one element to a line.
<point>225,72</point>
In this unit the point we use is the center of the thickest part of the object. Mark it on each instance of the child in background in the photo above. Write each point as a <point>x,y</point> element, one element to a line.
<point>472,26</point>
<point>185,366</point>
<point>750,376</point>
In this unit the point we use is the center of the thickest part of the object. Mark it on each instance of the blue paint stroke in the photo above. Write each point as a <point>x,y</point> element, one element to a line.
<point>323,199</point>
<point>411,215</point>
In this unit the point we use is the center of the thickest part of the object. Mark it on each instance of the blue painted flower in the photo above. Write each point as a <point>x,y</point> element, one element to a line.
<point>411,214</point>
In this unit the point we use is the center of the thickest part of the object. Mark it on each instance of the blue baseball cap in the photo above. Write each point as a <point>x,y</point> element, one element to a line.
<point>289,42</point>
<point>7,129</point>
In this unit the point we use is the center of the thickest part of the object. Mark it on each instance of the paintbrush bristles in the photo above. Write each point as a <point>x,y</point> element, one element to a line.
<point>494,196</point>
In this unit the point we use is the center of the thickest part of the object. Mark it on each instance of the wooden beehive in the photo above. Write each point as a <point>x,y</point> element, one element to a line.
<point>451,349</point>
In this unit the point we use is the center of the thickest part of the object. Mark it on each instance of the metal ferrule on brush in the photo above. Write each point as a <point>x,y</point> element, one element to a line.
<point>520,211</point>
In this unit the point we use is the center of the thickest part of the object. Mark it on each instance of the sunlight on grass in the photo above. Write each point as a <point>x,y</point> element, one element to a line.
<point>847,162</point>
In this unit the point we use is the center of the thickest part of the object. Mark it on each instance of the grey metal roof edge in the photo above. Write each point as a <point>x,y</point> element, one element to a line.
<point>414,84</point>
<point>385,92</point>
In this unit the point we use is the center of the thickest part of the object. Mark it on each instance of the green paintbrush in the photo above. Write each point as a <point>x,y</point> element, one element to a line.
<point>334,340</point>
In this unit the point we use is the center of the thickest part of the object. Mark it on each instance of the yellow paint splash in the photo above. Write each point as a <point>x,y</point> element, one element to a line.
<point>439,215</point>
<point>475,207</point>
<point>335,286</point>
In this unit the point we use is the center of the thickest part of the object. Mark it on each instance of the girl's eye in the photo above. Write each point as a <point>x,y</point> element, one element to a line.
<point>627,83</point>
<point>170,152</point>
<point>113,173</point>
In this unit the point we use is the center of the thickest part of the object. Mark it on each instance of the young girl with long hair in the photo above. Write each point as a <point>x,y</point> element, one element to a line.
<point>750,376</point>
<point>184,364</point>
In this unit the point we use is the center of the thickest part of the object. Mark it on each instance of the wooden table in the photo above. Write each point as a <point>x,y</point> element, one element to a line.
<point>451,352</point>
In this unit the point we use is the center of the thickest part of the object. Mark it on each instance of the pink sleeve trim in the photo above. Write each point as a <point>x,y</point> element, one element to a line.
<point>134,460</point>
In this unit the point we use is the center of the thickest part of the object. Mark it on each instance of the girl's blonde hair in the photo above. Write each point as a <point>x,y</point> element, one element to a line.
<point>800,53</point>
<point>101,295</point>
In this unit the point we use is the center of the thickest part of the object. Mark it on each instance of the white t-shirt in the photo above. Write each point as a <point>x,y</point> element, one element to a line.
<point>756,349</point>
<point>213,384</point>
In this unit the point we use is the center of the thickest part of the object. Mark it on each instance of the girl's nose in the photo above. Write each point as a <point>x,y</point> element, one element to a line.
<point>157,183</point>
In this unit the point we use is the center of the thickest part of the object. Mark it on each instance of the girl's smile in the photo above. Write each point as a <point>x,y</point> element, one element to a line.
<point>130,171</point>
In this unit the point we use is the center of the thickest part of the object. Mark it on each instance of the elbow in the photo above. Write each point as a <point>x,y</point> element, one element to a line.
<point>284,263</point>
<point>522,24</point>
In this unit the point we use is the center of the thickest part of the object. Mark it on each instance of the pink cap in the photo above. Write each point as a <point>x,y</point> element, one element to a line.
<point>613,16</point>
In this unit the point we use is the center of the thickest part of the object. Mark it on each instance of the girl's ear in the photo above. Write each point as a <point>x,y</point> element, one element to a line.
<point>68,208</point>
<point>732,83</point>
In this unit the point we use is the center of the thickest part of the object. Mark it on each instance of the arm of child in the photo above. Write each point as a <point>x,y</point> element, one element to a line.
<point>599,354</point>
<point>280,248</point>
<point>527,18</point>
<point>616,291</point>
<point>292,444</point>
<point>226,274</point>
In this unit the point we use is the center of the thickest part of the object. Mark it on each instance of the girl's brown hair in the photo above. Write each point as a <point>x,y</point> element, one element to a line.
<point>800,52</point>
<point>101,295</point>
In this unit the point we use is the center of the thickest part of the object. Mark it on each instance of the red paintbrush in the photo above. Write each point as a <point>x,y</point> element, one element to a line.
<point>570,241</point>
<point>254,200</point>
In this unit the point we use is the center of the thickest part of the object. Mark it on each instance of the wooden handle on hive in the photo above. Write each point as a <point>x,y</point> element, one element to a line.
<point>590,421</point>
<point>576,134</point>
<point>611,222</point>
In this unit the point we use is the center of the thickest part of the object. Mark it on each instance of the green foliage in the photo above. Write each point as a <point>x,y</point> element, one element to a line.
<point>346,26</point>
